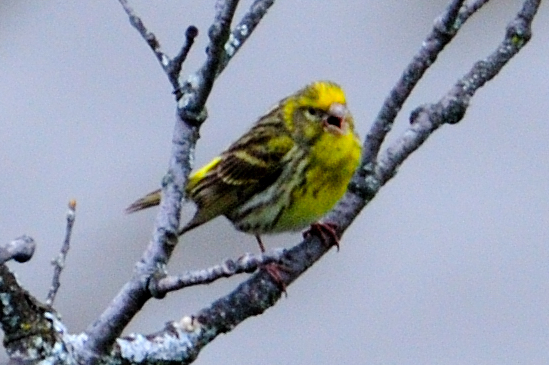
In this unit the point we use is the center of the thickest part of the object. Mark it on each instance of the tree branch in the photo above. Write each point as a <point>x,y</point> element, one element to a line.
<point>174,67</point>
<point>20,249</point>
<point>204,78</point>
<point>148,36</point>
<point>28,331</point>
<point>244,29</point>
<point>247,263</point>
<point>444,29</point>
<point>131,298</point>
<point>59,261</point>
<point>451,108</point>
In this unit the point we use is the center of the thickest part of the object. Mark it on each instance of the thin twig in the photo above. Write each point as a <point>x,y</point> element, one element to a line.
<point>148,36</point>
<point>174,68</point>
<point>244,29</point>
<point>247,263</point>
<point>59,261</point>
<point>451,108</point>
<point>192,107</point>
<point>371,176</point>
<point>442,33</point>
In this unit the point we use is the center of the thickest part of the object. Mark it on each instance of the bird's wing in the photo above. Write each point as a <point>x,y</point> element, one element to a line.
<point>248,167</point>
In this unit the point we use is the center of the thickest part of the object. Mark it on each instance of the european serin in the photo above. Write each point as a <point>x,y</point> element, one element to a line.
<point>285,173</point>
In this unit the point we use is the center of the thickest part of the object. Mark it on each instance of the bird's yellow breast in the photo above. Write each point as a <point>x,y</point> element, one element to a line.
<point>333,160</point>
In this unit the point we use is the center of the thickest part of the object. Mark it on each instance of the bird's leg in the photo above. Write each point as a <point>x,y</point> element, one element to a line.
<point>261,246</point>
<point>326,232</point>
<point>273,269</point>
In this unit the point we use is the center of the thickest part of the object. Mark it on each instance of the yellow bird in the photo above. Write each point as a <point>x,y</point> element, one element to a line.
<point>282,175</point>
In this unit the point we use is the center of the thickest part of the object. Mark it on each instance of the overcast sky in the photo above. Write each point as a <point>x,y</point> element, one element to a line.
<point>449,263</point>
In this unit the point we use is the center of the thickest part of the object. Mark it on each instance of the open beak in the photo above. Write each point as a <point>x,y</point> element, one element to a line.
<point>334,121</point>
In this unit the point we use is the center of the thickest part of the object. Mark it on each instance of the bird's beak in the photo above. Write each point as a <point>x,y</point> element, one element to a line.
<point>334,121</point>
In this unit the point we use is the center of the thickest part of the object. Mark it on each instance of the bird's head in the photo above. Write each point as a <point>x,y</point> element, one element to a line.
<point>318,108</point>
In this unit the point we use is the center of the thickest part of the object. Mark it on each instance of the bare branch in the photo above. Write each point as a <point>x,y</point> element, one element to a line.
<point>247,263</point>
<point>451,108</point>
<point>174,68</point>
<point>28,332</point>
<point>59,261</point>
<point>184,339</point>
<point>148,36</point>
<point>131,298</point>
<point>366,181</point>
<point>200,85</point>
<point>244,29</point>
<point>20,249</point>
<point>443,31</point>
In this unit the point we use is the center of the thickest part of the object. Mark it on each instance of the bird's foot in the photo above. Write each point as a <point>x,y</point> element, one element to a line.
<point>275,271</point>
<point>326,232</point>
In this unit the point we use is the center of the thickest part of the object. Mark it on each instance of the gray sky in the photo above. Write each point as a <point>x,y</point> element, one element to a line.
<point>448,265</point>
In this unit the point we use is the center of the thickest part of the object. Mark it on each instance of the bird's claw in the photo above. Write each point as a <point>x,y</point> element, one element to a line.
<point>326,232</point>
<point>274,270</point>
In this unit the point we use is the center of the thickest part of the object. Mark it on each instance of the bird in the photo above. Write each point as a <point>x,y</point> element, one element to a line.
<point>286,172</point>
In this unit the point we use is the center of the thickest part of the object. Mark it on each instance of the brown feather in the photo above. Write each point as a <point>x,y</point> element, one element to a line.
<point>149,200</point>
<point>246,168</point>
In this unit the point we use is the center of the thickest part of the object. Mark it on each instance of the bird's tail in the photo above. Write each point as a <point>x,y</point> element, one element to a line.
<point>149,200</point>
<point>152,199</point>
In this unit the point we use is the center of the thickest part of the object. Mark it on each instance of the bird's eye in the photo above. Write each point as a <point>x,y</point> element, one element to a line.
<point>312,112</point>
